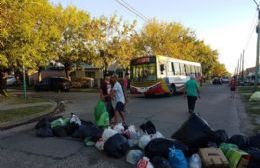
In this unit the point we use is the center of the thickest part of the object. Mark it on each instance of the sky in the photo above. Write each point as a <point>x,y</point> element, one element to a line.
<point>225,25</point>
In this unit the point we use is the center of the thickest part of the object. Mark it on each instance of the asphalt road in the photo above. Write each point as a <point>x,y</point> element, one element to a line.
<point>21,148</point>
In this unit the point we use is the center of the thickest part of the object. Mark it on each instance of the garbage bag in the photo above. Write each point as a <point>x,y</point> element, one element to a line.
<point>92,132</point>
<point>255,97</point>
<point>254,141</point>
<point>58,123</point>
<point>254,157</point>
<point>59,131</point>
<point>160,147</point>
<point>220,137</point>
<point>100,145</point>
<point>177,158</point>
<point>195,161</point>
<point>234,156</point>
<point>108,132</point>
<point>119,128</point>
<point>103,121</point>
<point>160,162</point>
<point>144,140</point>
<point>225,147</point>
<point>144,163</point>
<point>148,127</point>
<point>75,119</point>
<point>195,132</point>
<point>240,140</point>
<point>157,135</point>
<point>44,132</point>
<point>71,128</point>
<point>116,146</point>
<point>87,123</point>
<point>88,142</point>
<point>133,156</point>
<point>43,123</point>
<point>100,108</point>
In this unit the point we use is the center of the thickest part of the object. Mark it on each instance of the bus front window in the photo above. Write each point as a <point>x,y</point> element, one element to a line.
<point>145,72</point>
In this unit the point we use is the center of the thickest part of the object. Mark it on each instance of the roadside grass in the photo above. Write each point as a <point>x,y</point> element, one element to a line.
<point>15,100</point>
<point>21,113</point>
<point>252,108</point>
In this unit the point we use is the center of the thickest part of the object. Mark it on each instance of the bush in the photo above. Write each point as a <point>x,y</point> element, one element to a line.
<point>82,82</point>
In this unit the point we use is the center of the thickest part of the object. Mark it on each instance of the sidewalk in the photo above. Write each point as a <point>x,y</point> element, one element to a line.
<point>17,106</point>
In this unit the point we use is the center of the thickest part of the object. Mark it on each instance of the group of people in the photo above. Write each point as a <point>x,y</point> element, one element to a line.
<point>113,90</point>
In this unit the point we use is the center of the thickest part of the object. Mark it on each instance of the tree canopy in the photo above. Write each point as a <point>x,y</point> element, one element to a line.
<point>33,33</point>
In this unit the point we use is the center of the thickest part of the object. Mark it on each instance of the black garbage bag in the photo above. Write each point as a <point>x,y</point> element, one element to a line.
<point>71,128</point>
<point>160,147</point>
<point>220,136</point>
<point>195,132</point>
<point>91,131</point>
<point>116,146</point>
<point>59,131</point>
<point>148,127</point>
<point>43,123</point>
<point>212,145</point>
<point>254,141</point>
<point>160,162</point>
<point>86,123</point>
<point>240,140</point>
<point>44,132</point>
<point>254,157</point>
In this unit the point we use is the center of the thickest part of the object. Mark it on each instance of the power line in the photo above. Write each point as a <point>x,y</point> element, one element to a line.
<point>251,31</point>
<point>132,10</point>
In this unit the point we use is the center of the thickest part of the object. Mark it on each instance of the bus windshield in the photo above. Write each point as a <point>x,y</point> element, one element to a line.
<point>144,72</point>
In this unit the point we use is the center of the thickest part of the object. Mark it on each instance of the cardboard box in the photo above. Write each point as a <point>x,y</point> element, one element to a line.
<point>213,158</point>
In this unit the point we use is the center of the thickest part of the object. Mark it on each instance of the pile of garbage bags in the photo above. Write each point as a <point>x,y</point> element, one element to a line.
<point>146,147</point>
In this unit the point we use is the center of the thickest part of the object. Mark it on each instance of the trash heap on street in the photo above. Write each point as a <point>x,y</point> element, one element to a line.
<point>195,144</point>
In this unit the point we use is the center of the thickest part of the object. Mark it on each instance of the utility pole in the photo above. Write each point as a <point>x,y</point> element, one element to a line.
<point>243,63</point>
<point>257,47</point>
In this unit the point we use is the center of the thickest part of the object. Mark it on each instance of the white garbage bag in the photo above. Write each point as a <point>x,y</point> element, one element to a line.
<point>119,128</point>
<point>144,140</point>
<point>157,135</point>
<point>108,132</point>
<point>100,145</point>
<point>133,156</point>
<point>144,163</point>
<point>255,97</point>
<point>75,119</point>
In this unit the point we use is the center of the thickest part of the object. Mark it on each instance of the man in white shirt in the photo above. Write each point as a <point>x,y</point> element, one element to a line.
<point>118,93</point>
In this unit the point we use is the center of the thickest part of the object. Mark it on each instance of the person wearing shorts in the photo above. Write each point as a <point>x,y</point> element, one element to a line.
<point>233,87</point>
<point>118,94</point>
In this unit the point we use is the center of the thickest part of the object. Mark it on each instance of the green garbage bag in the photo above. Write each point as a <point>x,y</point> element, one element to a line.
<point>66,121</point>
<point>255,97</point>
<point>100,108</point>
<point>234,156</point>
<point>88,142</point>
<point>225,147</point>
<point>103,120</point>
<point>57,123</point>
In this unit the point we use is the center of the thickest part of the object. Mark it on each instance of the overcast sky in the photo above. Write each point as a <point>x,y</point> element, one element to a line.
<point>225,25</point>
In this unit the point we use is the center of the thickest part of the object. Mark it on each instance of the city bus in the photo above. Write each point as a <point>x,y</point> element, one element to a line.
<point>160,75</point>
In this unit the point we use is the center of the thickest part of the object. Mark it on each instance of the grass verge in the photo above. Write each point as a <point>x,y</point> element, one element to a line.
<point>22,113</point>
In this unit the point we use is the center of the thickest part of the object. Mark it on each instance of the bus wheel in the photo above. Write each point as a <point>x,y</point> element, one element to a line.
<point>173,89</point>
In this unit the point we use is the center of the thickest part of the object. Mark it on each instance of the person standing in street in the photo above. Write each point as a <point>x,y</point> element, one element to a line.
<point>192,92</point>
<point>117,92</point>
<point>233,87</point>
<point>105,90</point>
<point>125,88</point>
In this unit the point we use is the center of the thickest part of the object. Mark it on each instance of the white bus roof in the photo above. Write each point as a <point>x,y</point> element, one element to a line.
<point>178,60</point>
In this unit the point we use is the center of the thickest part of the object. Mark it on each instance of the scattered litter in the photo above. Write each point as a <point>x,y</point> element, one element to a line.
<point>144,163</point>
<point>133,156</point>
<point>195,161</point>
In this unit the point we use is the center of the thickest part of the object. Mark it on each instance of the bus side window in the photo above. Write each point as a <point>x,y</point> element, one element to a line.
<point>173,70</point>
<point>182,69</point>
<point>162,69</point>
<point>187,67</point>
<point>177,68</point>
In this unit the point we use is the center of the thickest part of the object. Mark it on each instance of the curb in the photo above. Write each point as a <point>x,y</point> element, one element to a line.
<point>57,108</point>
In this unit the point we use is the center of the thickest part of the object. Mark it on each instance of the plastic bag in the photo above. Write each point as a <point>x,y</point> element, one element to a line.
<point>108,132</point>
<point>100,108</point>
<point>75,119</point>
<point>119,128</point>
<point>240,140</point>
<point>71,128</point>
<point>195,161</point>
<point>225,147</point>
<point>144,163</point>
<point>195,132</point>
<point>255,97</point>
<point>144,140</point>
<point>59,132</point>
<point>103,121</point>
<point>116,146</point>
<point>100,145</point>
<point>133,156</point>
<point>44,132</point>
<point>234,156</point>
<point>92,132</point>
<point>43,123</point>
<point>57,123</point>
<point>157,135</point>
<point>148,127</point>
<point>220,137</point>
<point>160,147</point>
<point>160,162</point>
<point>88,142</point>
<point>254,157</point>
<point>177,158</point>
<point>254,141</point>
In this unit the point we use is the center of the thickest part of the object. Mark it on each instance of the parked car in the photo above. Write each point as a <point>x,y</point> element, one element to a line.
<point>11,81</point>
<point>216,81</point>
<point>53,84</point>
<point>225,80</point>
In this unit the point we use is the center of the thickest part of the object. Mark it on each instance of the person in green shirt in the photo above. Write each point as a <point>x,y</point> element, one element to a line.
<point>192,92</point>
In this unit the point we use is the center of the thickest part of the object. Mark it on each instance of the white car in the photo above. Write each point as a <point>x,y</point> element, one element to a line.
<point>11,81</point>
